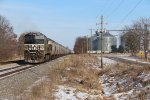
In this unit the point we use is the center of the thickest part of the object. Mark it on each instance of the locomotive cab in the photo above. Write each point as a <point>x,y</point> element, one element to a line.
<point>34,47</point>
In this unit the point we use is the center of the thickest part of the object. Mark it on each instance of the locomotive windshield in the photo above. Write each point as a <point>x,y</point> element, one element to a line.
<point>32,39</point>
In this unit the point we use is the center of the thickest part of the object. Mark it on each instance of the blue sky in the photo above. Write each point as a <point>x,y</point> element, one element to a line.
<point>64,20</point>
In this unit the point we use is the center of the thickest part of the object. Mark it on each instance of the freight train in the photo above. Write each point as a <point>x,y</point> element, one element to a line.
<point>38,48</point>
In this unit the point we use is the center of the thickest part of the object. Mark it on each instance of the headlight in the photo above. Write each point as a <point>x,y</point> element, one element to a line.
<point>25,47</point>
<point>41,47</point>
<point>29,47</point>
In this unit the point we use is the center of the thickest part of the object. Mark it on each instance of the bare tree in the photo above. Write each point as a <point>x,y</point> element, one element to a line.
<point>21,45</point>
<point>7,39</point>
<point>80,45</point>
<point>131,39</point>
<point>136,36</point>
<point>141,26</point>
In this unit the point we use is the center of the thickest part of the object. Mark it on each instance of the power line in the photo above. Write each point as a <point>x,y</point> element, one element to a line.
<point>108,7</point>
<point>105,9</point>
<point>115,9</point>
<point>131,11</point>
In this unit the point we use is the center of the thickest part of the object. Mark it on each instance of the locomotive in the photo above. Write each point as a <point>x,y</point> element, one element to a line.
<point>38,48</point>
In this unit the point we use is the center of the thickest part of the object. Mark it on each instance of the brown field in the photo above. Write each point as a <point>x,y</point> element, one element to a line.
<point>78,71</point>
<point>72,72</point>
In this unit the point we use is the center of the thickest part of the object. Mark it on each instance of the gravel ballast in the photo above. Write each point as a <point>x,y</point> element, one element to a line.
<point>14,85</point>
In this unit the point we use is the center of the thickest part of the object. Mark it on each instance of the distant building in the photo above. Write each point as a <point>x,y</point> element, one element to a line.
<point>107,41</point>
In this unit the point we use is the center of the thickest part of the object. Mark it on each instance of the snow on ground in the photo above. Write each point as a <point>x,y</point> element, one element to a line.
<point>119,88</point>
<point>108,88</point>
<point>132,59</point>
<point>125,87</point>
<point>65,93</point>
<point>70,93</point>
<point>123,96</point>
<point>145,76</point>
<point>107,61</point>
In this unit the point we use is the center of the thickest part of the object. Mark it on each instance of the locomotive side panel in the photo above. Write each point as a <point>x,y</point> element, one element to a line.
<point>54,49</point>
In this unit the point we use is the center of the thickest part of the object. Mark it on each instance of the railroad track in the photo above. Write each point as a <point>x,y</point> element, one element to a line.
<point>127,61</point>
<point>13,70</point>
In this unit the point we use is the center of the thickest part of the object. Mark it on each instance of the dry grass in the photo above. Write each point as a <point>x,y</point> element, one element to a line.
<point>129,73</point>
<point>121,69</point>
<point>41,91</point>
<point>77,71</point>
<point>74,72</point>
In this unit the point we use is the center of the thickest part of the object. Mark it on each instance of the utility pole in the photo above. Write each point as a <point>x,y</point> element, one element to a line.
<point>101,31</point>
<point>101,38</point>
<point>82,48</point>
<point>87,43</point>
<point>91,47</point>
<point>146,40</point>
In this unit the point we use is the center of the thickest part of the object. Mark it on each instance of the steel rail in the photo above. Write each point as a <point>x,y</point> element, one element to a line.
<point>9,71</point>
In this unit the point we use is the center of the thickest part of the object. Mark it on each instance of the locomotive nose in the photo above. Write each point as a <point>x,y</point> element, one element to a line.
<point>34,47</point>
<point>37,47</point>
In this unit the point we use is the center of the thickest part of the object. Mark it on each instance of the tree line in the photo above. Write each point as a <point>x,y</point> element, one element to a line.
<point>136,37</point>
<point>10,46</point>
<point>81,45</point>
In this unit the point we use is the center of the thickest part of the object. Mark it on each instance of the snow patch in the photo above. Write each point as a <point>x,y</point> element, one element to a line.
<point>135,59</point>
<point>123,96</point>
<point>107,61</point>
<point>70,93</point>
<point>112,85</point>
<point>65,93</point>
<point>145,76</point>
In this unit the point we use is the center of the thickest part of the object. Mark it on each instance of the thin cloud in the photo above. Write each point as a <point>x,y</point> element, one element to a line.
<point>20,7</point>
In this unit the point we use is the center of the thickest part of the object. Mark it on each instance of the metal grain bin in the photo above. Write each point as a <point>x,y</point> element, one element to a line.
<point>108,41</point>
